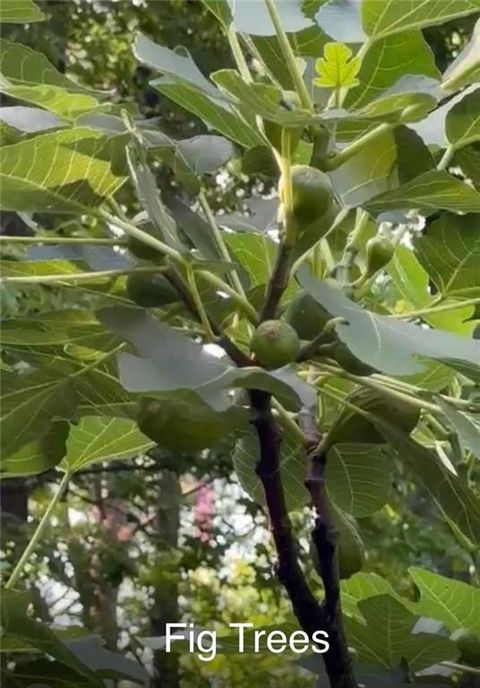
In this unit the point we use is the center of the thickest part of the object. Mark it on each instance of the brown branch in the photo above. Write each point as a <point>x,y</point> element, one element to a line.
<point>277,283</point>
<point>305,606</point>
<point>337,660</point>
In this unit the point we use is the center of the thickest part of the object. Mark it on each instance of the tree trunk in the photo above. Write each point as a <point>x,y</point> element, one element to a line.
<point>165,609</point>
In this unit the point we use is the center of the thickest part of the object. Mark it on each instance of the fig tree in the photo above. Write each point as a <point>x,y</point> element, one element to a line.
<point>275,343</point>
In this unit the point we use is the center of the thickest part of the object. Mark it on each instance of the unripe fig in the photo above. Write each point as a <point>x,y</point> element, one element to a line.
<point>151,290</point>
<point>312,194</point>
<point>275,343</point>
<point>468,643</point>
<point>306,316</point>
<point>142,250</point>
<point>380,251</point>
<point>165,422</point>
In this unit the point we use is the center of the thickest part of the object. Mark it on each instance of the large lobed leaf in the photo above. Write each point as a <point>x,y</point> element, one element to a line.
<point>68,171</point>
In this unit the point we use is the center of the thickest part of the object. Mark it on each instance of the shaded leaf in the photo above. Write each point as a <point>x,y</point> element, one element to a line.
<point>449,491</point>
<point>466,425</point>
<point>463,120</point>
<point>358,478</point>
<point>386,344</point>
<point>171,361</point>
<point>432,128</point>
<point>292,467</point>
<point>38,456</point>
<point>17,625</point>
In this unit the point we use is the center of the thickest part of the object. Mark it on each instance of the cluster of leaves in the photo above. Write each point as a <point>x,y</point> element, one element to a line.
<point>392,373</point>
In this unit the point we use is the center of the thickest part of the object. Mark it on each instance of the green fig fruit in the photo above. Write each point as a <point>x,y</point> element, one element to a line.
<point>312,194</point>
<point>151,290</point>
<point>306,316</point>
<point>468,643</point>
<point>185,423</point>
<point>275,343</point>
<point>142,250</point>
<point>351,426</point>
<point>348,361</point>
<point>380,251</point>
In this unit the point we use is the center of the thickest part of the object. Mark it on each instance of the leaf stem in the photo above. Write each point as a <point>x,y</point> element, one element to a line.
<point>139,234</point>
<point>219,284</point>
<point>388,391</point>
<point>447,157</point>
<point>219,239</point>
<point>238,55</point>
<point>289,56</point>
<point>438,309</point>
<point>61,240</point>
<point>199,304</point>
<point>16,573</point>
<point>76,277</point>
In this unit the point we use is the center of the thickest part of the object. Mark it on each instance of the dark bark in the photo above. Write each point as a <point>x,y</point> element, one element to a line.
<point>311,614</point>
<point>277,283</point>
<point>338,662</point>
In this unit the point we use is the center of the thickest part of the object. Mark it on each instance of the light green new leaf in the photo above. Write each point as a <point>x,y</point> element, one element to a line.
<point>430,191</point>
<point>66,171</point>
<point>452,602</point>
<point>358,478</point>
<point>20,12</point>
<point>387,636</point>
<point>98,438</point>
<point>466,425</point>
<point>463,120</point>
<point>382,19</point>
<point>337,68</point>
<point>450,253</point>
